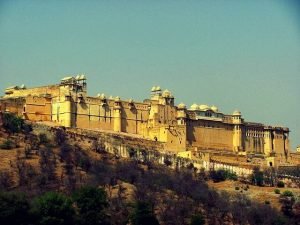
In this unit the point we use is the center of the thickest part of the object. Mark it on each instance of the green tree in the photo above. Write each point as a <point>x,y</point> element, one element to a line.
<point>43,139</point>
<point>12,123</point>
<point>143,214</point>
<point>197,219</point>
<point>287,201</point>
<point>257,177</point>
<point>219,175</point>
<point>53,208</point>
<point>91,203</point>
<point>60,136</point>
<point>14,209</point>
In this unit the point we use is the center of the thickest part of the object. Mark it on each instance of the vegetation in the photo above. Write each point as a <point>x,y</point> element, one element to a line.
<point>222,175</point>
<point>60,137</point>
<point>143,214</point>
<point>257,177</point>
<point>287,193</point>
<point>91,203</point>
<point>159,194</point>
<point>14,208</point>
<point>280,184</point>
<point>287,200</point>
<point>13,123</point>
<point>7,144</point>
<point>43,139</point>
<point>197,219</point>
<point>277,191</point>
<point>86,206</point>
<point>291,171</point>
<point>53,208</point>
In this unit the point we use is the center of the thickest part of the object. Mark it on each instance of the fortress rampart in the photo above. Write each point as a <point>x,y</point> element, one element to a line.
<point>175,127</point>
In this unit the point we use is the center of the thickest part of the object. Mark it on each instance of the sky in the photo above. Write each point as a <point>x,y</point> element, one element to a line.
<point>241,55</point>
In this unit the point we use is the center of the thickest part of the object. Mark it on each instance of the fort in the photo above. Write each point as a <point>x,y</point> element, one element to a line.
<point>176,128</point>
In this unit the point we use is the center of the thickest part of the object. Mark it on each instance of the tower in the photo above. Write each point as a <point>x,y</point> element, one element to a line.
<point>117,115</point>
<point>66,111</point>
<point>181,114</point>
<point>268,140</point>
<point>237,131</point>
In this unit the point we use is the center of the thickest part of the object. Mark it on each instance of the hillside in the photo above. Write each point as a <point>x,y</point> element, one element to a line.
<point>44,160</point>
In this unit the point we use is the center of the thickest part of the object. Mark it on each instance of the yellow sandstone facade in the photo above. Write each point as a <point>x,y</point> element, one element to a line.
<point>158,118</point>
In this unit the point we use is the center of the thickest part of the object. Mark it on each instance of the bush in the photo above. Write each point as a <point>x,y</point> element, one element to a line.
<point>217,176</point>
<point>231,176</point>
<point>43,139</point>
<point>27,128</point>
<point>143,214</point>
<point>257,177</point>
<point>277,191</point>
<point>222,175</point>
<point>14,209</point>
<point>280,184</point>
<point>8,144</point>
<point>190,166</point>
<point>60,136</point>
<point>91,203</point>
<point>287,193</point>
<point>197,219</point>
<point>5,180</point>
<point>12,123</point>
<point>287,200</point>
<point>53,208</point>
<point>167,162</point>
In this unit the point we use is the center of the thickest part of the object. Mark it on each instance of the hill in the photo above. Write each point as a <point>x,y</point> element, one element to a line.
<point>50,159</point>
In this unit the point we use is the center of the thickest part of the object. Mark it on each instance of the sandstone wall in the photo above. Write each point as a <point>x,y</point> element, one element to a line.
<point>210,135</point>
<point>92,114</point>
<point>37,108</point>
<point>50,89</point>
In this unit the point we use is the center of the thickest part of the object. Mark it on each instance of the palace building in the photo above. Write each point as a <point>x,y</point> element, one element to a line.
<point>200,127</point>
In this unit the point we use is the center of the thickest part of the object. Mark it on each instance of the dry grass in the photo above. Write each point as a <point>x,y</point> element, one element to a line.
<point>255,193</point>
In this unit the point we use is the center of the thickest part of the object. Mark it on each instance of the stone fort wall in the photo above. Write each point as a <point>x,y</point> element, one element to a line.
<point>157,118</point>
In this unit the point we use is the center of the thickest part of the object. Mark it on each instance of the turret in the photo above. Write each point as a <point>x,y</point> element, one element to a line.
<point>268,140</point>
<point>117,115</point>
<point>181,114</point>
<point>167,98</point>
<point>67,111</point>
<point>237,130</point>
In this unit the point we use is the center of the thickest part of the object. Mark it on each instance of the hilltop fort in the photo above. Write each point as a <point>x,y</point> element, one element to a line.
<point>176,128</point>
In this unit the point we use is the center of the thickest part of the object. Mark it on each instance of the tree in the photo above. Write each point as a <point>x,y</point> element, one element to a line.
<point>287,201</point>
<point>66,153</point>
<point>197,219</point>
<point>53,208</point>
<point>219,175</point>
<point>7,144</point>
<point>43,139</point>
<point>12,123</point>
<point>60,136</point>
<point>257,177</point>
<point>47,164</point>
<point>91,203</point>
<point>5,180</point>
<point>14,209</point>
<point>143,215</point>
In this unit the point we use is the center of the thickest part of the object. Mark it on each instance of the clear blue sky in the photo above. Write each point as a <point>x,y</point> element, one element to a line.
<point>234,54</point>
